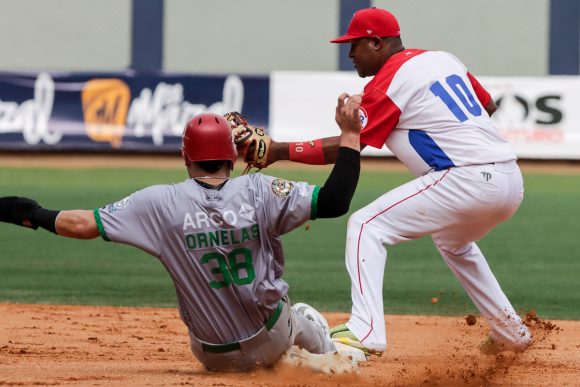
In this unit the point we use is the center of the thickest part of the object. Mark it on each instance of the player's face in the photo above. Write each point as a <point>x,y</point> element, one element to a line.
<point>364,57</point>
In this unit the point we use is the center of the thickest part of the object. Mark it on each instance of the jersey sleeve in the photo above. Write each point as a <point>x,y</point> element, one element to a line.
<point>482,95</point>
<point>379,116</point>
<point>136,220</point>
<point>288,204</point>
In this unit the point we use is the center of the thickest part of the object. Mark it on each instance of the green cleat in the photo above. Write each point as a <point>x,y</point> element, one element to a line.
<point>341,334</point>
<point>341,331</point>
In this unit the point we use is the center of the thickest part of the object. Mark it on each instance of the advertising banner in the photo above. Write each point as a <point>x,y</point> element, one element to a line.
<point>118,111</point>
<point>539,116</point>
<point>131,111</point>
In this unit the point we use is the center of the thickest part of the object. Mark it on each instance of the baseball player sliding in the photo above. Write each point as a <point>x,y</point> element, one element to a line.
<point>219,239</point>
<point>435,117</point>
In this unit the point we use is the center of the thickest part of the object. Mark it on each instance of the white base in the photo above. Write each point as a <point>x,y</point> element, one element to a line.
<point>344,361</point>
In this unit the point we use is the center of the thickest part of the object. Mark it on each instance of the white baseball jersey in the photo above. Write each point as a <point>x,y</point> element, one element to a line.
<point>429,111</point>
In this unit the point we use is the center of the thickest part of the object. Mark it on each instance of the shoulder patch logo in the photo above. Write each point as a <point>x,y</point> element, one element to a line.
<point>364,118</point>
<point>117,206</point>
<point>122,203</point>
<point>281,187</point>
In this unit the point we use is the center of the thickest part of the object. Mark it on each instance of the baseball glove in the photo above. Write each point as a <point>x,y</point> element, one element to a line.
<point>253,143</point>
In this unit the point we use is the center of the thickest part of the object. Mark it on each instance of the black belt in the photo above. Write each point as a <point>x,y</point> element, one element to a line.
<point>223,348</point>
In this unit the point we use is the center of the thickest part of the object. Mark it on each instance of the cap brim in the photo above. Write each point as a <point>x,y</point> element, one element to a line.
<point>344,39</point>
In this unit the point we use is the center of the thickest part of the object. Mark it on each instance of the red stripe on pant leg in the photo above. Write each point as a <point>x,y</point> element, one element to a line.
<point>374,217</point>
<point>358,258</point>
<point>370,330</point>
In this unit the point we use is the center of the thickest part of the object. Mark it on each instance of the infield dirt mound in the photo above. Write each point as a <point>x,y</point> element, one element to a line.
<point>82,345</point>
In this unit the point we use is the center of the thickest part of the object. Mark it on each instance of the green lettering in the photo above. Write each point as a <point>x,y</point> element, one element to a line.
<point>245,234</point>
<point>224,235</point>
<point>221,237</point>
<point>201,240</point>
<point>237,267</point>
<point>222,270</point>
<point>255,231</point>
<point>214,239</point>
<point>233,237</point>
<point>190,241</point>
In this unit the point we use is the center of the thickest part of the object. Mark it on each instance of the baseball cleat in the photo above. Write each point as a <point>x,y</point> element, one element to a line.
<point>341,334</point>
<point>339,330</point>
<point>491,346</point>
<point>313,315</point>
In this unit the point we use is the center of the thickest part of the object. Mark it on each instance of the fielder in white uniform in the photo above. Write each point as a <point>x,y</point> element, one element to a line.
<point>435,117</point>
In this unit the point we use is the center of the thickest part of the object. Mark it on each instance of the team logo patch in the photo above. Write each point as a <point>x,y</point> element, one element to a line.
<point>122,203</point>
<point>364,118</point>
<point>282,187</point>
<point>117,206</point>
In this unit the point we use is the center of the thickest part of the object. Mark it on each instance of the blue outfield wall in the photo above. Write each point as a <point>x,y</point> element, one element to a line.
<point>118,111</point>
<point>564,37</point>
<point>564,34</point>
<point>147,35</point>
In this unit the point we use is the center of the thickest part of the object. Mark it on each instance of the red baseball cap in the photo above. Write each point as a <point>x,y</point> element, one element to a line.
<point>370,22</point>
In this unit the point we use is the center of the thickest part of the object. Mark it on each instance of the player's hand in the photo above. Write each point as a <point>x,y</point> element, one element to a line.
<point>18,210</point>
<point>347,117</point>
<point>347,114</point>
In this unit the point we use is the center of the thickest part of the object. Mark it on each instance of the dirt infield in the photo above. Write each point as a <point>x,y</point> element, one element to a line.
<point>104,346</point>
<point>80,345</point>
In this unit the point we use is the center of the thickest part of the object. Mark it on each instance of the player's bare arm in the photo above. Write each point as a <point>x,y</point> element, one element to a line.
<point>325,150</point>
<point>491,107</point>
<point>78,224</point>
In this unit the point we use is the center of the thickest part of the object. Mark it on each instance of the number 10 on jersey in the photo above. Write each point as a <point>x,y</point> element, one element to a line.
<point>460,89</point>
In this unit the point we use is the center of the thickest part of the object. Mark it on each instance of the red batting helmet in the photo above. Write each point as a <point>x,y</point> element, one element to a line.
<point>208,137</point>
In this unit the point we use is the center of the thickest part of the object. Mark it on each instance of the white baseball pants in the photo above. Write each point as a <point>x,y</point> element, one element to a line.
<point>456,206</point>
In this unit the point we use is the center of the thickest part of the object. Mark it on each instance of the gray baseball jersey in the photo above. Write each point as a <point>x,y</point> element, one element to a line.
<point>221,248</point>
